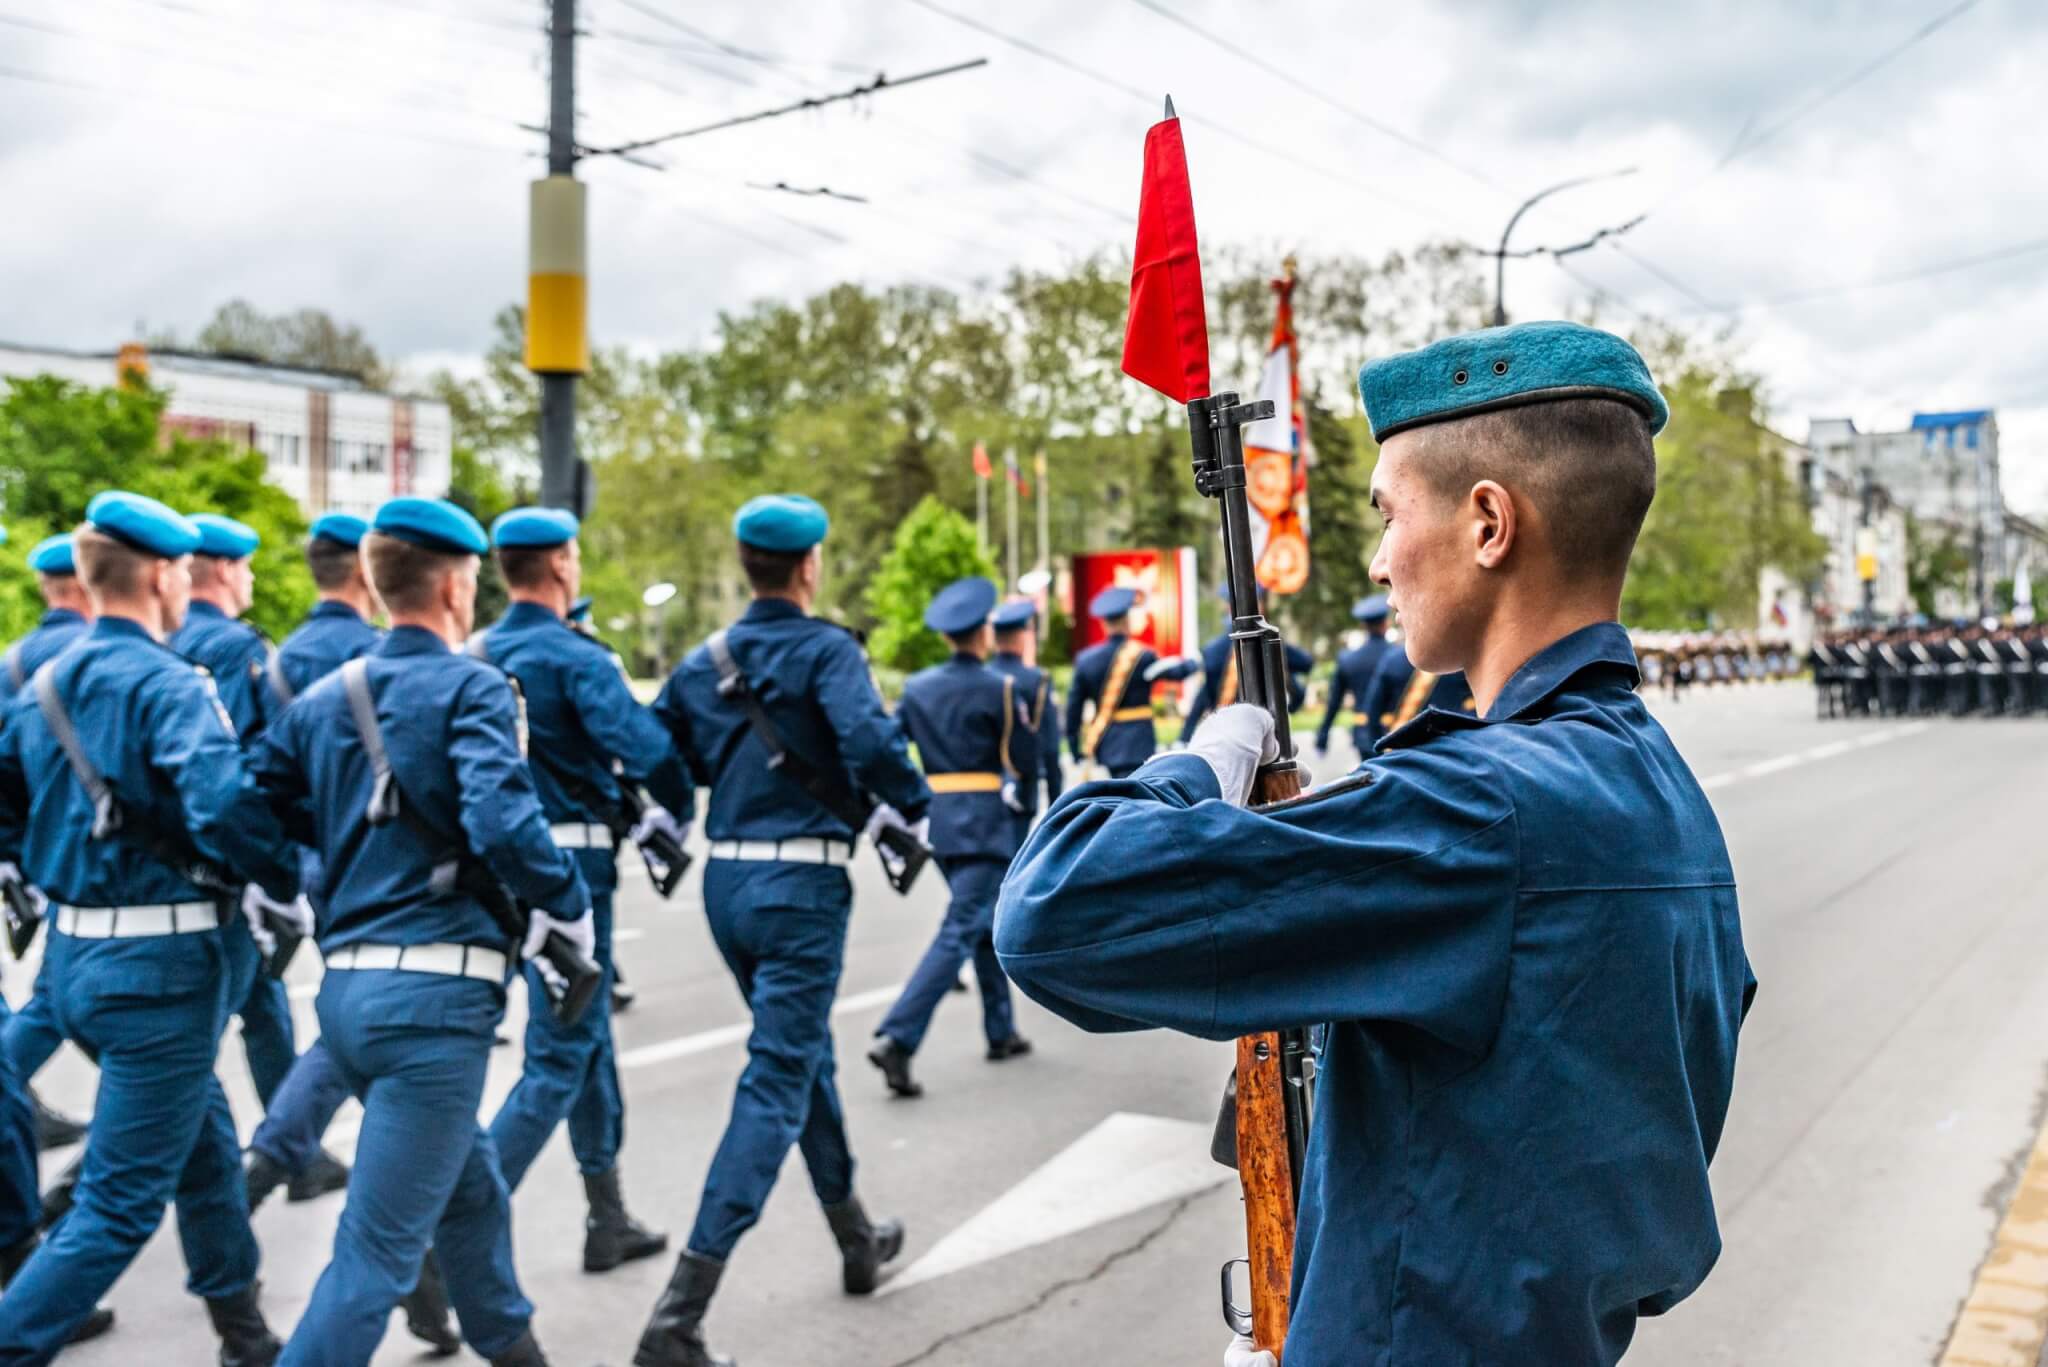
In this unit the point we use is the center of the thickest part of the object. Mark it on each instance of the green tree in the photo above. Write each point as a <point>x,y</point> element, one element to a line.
<point>303,337</point>
<point>1343,529</point>
<point>480,488</point>
<point>933,547</point>
<point>1937,559</point>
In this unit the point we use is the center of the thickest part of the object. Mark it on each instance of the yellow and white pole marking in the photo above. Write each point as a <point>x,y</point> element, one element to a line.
<point>557,293</point>
<point>2005,1320</point>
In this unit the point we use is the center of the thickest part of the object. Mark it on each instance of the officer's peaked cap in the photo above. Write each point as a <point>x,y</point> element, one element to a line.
<point>781,522</point>
<point>52,555</point>
<point>960,607</point>
<point>1112,603</point>
<point>142,523</point>
<point>533,529</point>
<point>225,537</point>
<point>1015,613</point>
<point>1495,368</point>
<point>1373,609</point>
<point>433,523</point>
<point>343,529</point>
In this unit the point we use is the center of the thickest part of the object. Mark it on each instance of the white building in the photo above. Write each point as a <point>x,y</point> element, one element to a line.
<point>329,441</point>
<point>1835,501</point>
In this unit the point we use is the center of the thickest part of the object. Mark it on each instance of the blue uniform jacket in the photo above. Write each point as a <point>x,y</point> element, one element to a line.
<point>955,715</point>
<point>1353,679</point>
<point>1522,931</point>
<point>332,635</point>
<point>450,726</point>
<point>1035,687</point>
<point>1216,663</point>
<point>812,679</point>
<point>236,654</point>
<point>153,726</point>
<point>58,628</point>
<point>582,715</point>
<point>1125,743</point>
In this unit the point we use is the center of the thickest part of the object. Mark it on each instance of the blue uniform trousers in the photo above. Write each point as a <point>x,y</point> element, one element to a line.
<point>569,1071</point>
<point>31,1034</point>
<point>266,1013</point>
<point>301,1109</point>
<point>21,1203</point>
<point>414,1047</point>
<point>161,1130</point>
<point>968,932</point>
<point>786,960</point>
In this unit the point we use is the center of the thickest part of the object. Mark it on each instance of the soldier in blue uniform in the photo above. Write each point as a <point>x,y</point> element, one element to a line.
<point>1394,697</point>
<point>1353,678</point>
<point>1014,623</point>
<point>1520,924</point>
<point>416,964</point>
<point>120,736</point>
<point>777,894</point>
<point>587,736</point>
<point>1116,676</point>
<point>973,736</point>
<point>1219,676</point>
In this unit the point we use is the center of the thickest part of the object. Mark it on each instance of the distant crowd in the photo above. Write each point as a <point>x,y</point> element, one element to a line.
<point>1988,668</point>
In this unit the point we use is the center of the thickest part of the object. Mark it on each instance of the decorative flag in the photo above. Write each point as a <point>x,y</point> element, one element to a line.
<point>982,469</point>
<point>1166,336</point>
<point>1022,485</point>
<point>1277,457</point>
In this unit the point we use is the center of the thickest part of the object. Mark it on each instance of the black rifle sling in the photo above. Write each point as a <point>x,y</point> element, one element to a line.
<point>732,684</point>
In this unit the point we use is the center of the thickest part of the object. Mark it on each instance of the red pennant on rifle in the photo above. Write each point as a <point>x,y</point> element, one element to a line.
<point>1166,337</point>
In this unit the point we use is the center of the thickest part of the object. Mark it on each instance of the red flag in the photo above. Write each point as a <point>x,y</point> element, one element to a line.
<point>1166,337</point>
<point>982,469</point>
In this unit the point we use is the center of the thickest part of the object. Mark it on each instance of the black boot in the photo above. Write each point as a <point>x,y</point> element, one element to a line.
<point>525,1353</point>
<point>53,1129</point>
<point>427,1316</point>
<point>57,1199</point>
<point>894,1061</point>
<point>622,995</point>
<point>1016,1046</point>
<point>863,1246</point>
<point>245,1340</point>
<point>324,1174</point>
<point>610,1235</point>
<point>674,1336</point>
<point>261,1175</point>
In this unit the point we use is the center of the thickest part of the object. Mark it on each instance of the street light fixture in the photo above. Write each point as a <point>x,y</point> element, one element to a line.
<point>657,594</point>
<point>1500,256</point>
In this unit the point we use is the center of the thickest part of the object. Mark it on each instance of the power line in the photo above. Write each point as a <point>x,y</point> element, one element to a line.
<point>813,192</point>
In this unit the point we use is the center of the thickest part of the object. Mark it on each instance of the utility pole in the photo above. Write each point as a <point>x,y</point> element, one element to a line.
<point>1500,254</point>
<point>557,292</point>
<point>1010,518</point>
<point>1866,548</point>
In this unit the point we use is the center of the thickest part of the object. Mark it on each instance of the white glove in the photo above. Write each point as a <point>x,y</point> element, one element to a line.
<point>1240,1353</point>
<point>1011,798</point>
<point>581,932</point>
<point>659,819</point>
<point>884,815</point>
<point>258,908</point>
<point>1235,741</point>
<point>887,816</point>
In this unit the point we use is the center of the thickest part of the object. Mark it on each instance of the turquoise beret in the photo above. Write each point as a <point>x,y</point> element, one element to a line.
<point>225,537</point>
<point>142,523</point>
<point>52,555</point>
<point>1494,368</point>
<point>962,606</point>
<point>534,528</point>
<point>3,536</point>
<point>1373,609</point>
<point>781,522</point>
<point>343,529</point>
<point>434,523</point>
<point>579,611</point>
<point>1111,604</point>
<point>1016,613</point>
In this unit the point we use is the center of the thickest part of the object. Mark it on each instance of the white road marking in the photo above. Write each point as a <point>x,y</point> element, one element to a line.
<point>1779,764</point>
<point>706,1040</point>
<point>1123,1165</point>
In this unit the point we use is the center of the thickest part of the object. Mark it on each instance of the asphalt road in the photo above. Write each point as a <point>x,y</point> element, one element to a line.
<point>1892,1076</point>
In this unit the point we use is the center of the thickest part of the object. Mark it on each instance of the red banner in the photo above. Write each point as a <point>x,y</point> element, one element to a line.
<point>1164,616</point>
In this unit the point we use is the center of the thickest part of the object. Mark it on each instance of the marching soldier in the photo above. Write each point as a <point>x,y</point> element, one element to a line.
<point>587,736</point>
<point>1014,623</point>
<point>1399,692</point>
<point>1353,678</point>
<point>119,776</point>
<point>1219,676</point>
<point>1115,677</point>
<point>1529,906</point>
<point>973,736</point>
<point>403,770</point>
<point>777,894</point>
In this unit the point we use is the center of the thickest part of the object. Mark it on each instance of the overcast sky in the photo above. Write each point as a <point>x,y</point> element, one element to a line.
<point>160,156</point>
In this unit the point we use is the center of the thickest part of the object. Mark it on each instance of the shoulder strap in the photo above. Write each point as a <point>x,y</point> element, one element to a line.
<point>1112,696</point>
<point>280,686</point>
<point>1009,722</point>
<point>733,686</point>
<point>477,647</point>
<point>1038,703</point>
<point>106,811</point>
<point>16,675</point>
<point>355,680</point>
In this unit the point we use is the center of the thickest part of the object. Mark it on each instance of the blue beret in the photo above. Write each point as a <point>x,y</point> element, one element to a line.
<point>3,536</point>
<point>781,522</point>
<point>1112,603</point>
<point>142,523</point>
<point>52,555</point>
<point>960,607</point>
<point>225,537</point>
<point>434,523</point>
<point>534,528</point>
<point>579,611</point>
<point>1015,613</point>
<point>1373,609</point>
<point>1478,372</point>
<point>343,529</point>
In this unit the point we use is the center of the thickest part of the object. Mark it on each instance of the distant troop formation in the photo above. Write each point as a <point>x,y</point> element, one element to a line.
<point>1677,663</point>
<point>1956,669</point>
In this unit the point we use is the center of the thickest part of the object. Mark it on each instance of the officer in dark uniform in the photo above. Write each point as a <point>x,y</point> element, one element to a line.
<point>1353,678</point>
<point>1219,675</point>
<point>1521,930</point>
<point>1014,623</point>
<point>777,895</point>
<point>973,736</point>
<point>416,965</point>
<point>1115,678</point>
<point>139,971</point>
<point>1393,698</point>
<point>587,735</point>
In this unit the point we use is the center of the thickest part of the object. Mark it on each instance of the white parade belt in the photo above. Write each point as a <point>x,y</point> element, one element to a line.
<point>450,961</point>
<point>798,850</point>
<point>581,835</point>
<point>126,923</point>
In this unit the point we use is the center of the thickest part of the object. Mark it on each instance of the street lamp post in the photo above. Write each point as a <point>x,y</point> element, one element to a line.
<point>1500,255</point>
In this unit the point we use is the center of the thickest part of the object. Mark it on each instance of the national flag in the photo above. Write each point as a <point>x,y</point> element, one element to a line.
<point>1277,457</point>
<point>1016,476</point>
<point>1166,335</point>
<point>982,469</point>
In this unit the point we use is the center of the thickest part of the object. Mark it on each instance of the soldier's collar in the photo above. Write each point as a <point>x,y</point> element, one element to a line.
<point>53,616</point>
<point>1550,670</point>
<point>334,607</point>
<point>201,608</point>
<point>770,610</point>
<point>121,626</point>
<point>528,614</point>
<point>408,640</point>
